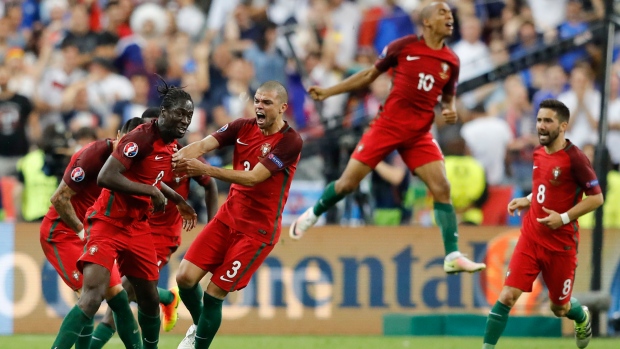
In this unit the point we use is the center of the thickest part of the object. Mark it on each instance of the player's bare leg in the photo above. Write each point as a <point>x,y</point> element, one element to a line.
<point>334,192</point>
<point>498,316</point>
<point>433,175</point>
<point>188,278</point>
<point>148,310</point>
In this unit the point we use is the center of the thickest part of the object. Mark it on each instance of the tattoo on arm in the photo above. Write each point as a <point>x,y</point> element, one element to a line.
<point>61,200</point>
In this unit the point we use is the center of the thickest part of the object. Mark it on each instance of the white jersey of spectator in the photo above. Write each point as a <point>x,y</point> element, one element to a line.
<point>548,14</point>
<point>488,137</point>
<point>102,94</point>
<point>345,22</point>
<point>334,106</point>
<point>581,132</point>
<point>191,20</point>
<point>219,11</point>
<point>51,88</point>
<point>613,136</point>
<point>474,54</point>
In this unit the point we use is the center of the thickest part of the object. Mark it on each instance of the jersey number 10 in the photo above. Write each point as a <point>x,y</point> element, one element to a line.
<point>426,82</point>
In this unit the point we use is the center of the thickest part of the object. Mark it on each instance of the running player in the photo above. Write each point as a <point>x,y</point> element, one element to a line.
<point>550,232</point>
<point>425,71</point>
<point>118,221</point>
<point>166,228</point>
<point>62,232</point>
<point>247,227</point>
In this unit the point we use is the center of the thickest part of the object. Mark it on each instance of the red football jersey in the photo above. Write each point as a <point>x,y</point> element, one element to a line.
<point>148,160</point>
<point>81,176</point>
<point>258,210</point>
<point>558,184</point>
<point>170,221</point>
<point>421,76</point>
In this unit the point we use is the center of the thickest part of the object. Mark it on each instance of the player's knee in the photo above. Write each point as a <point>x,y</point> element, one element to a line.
<point>90,301</point>
<point>508,297</point>
<point>440,191</point>
<point>184,280</point>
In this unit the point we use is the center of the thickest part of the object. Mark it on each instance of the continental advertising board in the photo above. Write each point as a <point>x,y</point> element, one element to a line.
<point>334,281</point>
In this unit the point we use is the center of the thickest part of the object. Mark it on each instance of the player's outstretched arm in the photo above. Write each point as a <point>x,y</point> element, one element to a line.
<point>111,177</point>
<point>354,82</point>
<point>193,167</point>
<point>519,204</point>
<point>196,149</point>
<point>61,200</point>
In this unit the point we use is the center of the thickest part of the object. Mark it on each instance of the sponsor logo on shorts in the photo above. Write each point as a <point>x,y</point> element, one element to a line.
<point>275,160</point>
<point>130,150</point>
<point>78,174</point>
<point>223,128</point>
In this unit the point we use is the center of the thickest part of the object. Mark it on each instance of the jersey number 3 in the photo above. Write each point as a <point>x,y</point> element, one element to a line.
<point>426,82</point>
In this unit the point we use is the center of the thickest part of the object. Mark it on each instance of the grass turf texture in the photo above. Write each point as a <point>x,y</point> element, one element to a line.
<point>333,342</point>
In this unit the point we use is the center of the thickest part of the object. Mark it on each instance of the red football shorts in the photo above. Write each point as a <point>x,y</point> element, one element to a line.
<point>165,246</point>
<point>62,248</point>
<point>231,256</point>
<point>415,150</point>
<point>130,245</point>
<point>558,270</point>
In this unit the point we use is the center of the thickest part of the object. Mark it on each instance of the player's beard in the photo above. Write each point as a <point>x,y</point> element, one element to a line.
<point>551,137</point>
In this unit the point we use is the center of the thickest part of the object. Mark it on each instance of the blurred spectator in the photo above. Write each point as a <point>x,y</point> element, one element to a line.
<point>340,40</point>
<point>528,40</point>
<point>268,61</point>
<point>55,80</point>
<point>613,119</point>
<point>472,52</point>
<point>77,111</point>
<point>548,14</point>
<point>80,33</point>
<point>190,19</point>
<point>487,138</point>
<point>16,118</point>
<point>16,35</point>
<point>384,23</point>
<point>106,46</point>
<point>22,81</point>
<point>554,84</point>
<point>235,100</point>
<point>584,103</point>
<point>125,109</point>
<point>117,18</point>
<point>572,26</point>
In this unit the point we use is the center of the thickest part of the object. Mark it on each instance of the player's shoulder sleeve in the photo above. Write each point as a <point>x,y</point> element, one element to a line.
<point>203,180</point>
<point>227,134</point>
<point>389,56</point>
<point>135,145</point>
<point>85,164</point>
<point>582,171</point>
<point>285,153</point>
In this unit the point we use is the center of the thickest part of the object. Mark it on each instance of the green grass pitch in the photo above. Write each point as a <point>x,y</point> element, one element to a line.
<point>332,342</point>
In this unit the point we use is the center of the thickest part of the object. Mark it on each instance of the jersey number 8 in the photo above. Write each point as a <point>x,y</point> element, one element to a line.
<point>540,196</point>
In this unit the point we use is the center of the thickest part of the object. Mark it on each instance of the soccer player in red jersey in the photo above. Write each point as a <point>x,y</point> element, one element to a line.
<point>62,232</point>
<point>247,227</point>
<point>425,71</point>
<point>166,228</point>
<point>117,223</point>
<point>550,232</point>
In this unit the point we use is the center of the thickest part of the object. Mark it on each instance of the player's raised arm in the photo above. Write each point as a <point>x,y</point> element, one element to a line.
<point>197,149</point>
<point>194,167</point>
<point>356,81</point>
<point>61,200</point>
<point>111,177</point>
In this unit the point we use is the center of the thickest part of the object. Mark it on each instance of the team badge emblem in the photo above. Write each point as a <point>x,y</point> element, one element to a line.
<point>556,174</point>
<point>223,128</point>
<point>130,150</point>
<point>78,174</point>
<point>92,250</point>
<point>445,69</point>
<point>265,149</point>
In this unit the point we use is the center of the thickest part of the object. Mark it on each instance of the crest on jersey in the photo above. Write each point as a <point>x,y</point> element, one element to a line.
<point>223,128</point>
<point>265,149</point>
<point>556,174</point>
<point>78,174</point>
<point>445,70</point>
<point>92,250</point>
<point>130,150</point>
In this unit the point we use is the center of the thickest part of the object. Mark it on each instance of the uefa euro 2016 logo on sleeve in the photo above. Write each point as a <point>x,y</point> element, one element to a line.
<point>130,150</point>
<point>77,174</point>
<point>275,160</point>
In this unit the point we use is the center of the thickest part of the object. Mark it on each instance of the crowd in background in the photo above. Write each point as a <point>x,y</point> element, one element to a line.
<point>75,70</point>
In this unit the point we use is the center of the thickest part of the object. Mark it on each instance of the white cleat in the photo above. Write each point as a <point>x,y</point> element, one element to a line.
<point>301,225</point>
<point>583,331</point>
<point>190,338</point>
<point>458,263</point>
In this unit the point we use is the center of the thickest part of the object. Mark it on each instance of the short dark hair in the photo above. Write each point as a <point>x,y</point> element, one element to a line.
<point>130,125</point>
<point>560,109</point>
<point>85,133</point>
<point>151,113</point>
<point>172,96</point>
<point>273,85</point>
